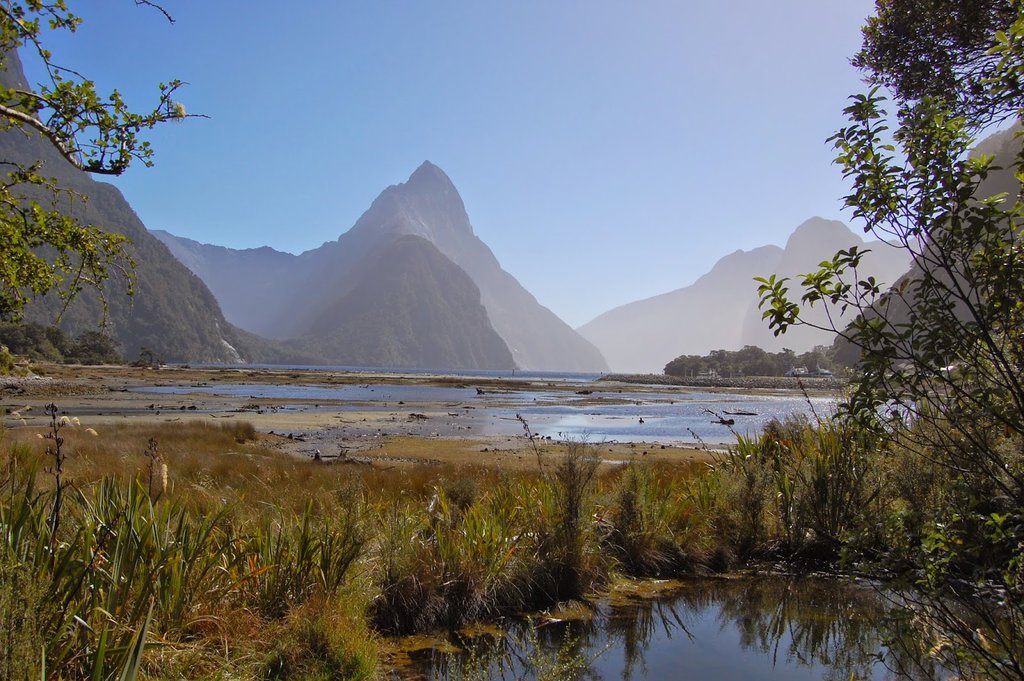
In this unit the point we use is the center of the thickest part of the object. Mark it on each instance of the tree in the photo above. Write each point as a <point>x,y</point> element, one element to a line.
<point>941,354</point>
<point>43,249</point>
<point>940,49</point>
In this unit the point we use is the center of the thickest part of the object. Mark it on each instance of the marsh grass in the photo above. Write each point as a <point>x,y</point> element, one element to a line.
<point>122,566</point>
<point>652,525</point>
<point>253,564</point>
<point>240,558</point>
<point>801,491</point>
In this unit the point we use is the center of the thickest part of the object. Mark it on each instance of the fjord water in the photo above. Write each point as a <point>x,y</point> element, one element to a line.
<point>747,629</point>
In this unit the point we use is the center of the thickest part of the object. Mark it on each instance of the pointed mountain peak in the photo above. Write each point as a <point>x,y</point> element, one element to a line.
<point>426,205</point>
<point>428,173</point>
<point>817,230</point>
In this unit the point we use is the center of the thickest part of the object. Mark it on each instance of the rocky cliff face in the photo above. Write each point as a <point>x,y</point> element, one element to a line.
<point>172,312</point>
<point>719,310</point>
<point>428,207</point>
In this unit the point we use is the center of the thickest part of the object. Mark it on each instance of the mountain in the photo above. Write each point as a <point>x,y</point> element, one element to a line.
<point>245,282</point>
<point>813,241</point>
<point>172,312</point>
<point>311,286</point>
<point>1004,146</point>
<point>644,336</point>
<point>719,310</point>
<point>421,310</point>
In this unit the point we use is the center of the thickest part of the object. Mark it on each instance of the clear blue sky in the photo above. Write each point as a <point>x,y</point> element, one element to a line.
<point>606,150</point>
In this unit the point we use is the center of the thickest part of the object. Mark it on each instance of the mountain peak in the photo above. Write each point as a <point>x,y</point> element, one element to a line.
<point>426,205</point>
<point>429,175</point>
<point>817,232</point>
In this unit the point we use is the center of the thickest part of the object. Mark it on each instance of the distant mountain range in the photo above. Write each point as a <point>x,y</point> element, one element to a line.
<point>366,300</point>
<point>719,310</point>
<point>411,285</point>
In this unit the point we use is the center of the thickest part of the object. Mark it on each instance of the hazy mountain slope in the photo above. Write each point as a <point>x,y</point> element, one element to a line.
<point>245,282</point>
<point>719,311</point>
<point>172,311</point>
<point>418,309</point>
<point>813,241</point>
<point>708,315</point>
<point>427,206</point>
<point>1004,146</point>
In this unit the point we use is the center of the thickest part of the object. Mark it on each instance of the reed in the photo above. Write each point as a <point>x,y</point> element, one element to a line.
<point>651,528</point>
<point>248,564</point>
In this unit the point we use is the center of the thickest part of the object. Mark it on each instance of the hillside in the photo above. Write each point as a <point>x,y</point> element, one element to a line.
<point>719,310</point>
<point>643,336</point>
<point>421,311</point>
<point>172,312</point>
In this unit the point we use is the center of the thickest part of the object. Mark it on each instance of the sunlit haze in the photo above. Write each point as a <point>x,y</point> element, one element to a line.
<point>606,151</point>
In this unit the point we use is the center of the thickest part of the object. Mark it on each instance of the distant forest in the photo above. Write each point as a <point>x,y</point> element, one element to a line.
<point>48,343</point>
<point>751,361</point>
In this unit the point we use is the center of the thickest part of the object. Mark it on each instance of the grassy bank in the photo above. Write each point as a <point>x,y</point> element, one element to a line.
<point>229,560</point>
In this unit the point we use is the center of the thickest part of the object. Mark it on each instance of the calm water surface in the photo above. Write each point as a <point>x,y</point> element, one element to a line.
<point>723,630</point>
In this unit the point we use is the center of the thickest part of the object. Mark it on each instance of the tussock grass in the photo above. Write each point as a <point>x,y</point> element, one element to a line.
<point>252,564</point>
<point>239,558</point>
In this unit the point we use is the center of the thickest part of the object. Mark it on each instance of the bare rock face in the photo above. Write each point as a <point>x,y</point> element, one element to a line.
<point>312,286</point>
<point>720,311</point>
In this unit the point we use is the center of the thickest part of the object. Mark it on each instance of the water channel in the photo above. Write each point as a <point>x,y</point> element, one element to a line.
<point>748,629</point>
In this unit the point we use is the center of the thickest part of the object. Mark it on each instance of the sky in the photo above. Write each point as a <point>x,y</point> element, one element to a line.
<point>606,151</point>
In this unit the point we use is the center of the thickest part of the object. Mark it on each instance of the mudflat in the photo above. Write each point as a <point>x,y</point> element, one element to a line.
<point>379,432</point>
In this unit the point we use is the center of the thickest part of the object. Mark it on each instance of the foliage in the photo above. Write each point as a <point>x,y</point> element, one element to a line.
<point>299,587</point>
<point>750,361</point>
<point>49,343</point>
<point>941,353</point>
<point>43,247</point>
<point>651,529</point>
<point>6,361</point>
<point>940,49</point>
<point>119,565</point>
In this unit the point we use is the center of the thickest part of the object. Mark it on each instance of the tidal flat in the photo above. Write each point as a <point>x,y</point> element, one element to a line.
<point>402,418</point>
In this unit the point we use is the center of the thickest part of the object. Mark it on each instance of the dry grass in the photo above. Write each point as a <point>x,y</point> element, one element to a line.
<point>268,565</point>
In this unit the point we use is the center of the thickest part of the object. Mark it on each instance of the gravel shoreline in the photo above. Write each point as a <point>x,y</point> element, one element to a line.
<point>815,383</point>
<point>31,386</point>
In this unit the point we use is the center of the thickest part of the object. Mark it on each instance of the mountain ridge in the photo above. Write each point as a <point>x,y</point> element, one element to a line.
<point>428,206</point>
<point>719,310</point>
<point>172,312</point>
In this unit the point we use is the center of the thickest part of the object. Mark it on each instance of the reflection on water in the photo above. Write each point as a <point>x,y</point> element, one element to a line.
<point>769,628</point>
<point>668,418</point>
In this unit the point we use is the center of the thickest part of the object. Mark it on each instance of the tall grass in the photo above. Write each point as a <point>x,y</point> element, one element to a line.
<point>654,526</point>
<point>802,491</point>
<point>253,565</point>
<point>120,568</point>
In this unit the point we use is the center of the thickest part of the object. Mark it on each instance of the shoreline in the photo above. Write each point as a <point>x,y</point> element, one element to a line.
<point>809,384</point>
<point>391,432</point>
